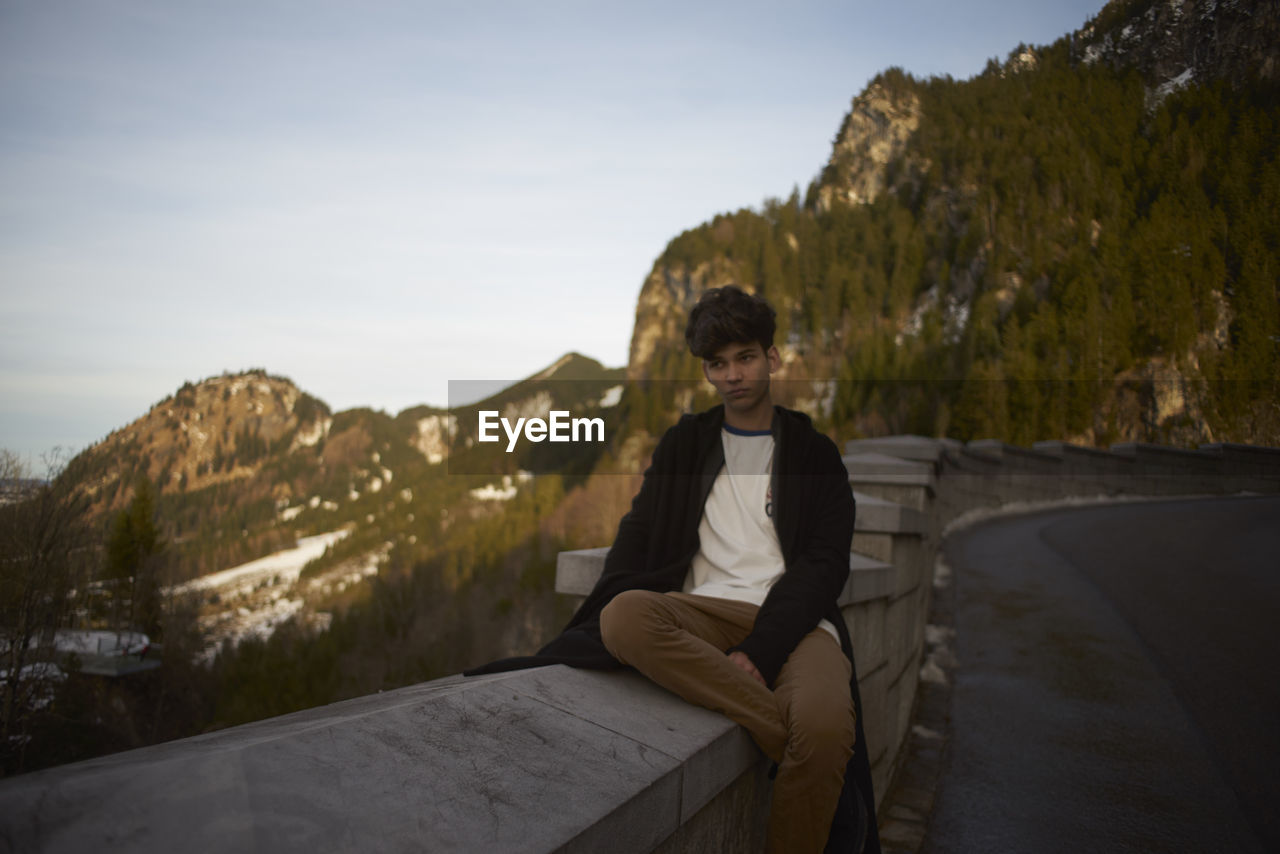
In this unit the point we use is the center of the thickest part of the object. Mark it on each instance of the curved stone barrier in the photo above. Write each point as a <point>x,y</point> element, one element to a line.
<point>555,759</point>
<point>551,759</point>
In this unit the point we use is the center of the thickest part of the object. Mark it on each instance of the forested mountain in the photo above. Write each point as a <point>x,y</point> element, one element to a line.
<point>244,463</point>
<point>1078,243</point>
<point>222,455</point>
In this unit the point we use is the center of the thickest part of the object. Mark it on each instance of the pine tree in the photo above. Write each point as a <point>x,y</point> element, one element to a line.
<point>134,549</point>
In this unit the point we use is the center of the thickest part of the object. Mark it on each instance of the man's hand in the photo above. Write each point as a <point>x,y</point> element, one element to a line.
<point>745,664</point>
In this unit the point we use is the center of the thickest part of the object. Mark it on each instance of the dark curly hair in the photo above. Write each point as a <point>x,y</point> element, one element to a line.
<point>729,315</point>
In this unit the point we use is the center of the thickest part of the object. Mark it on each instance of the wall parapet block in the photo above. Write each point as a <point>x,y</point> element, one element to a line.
<point>918,448</point>
<point>550,759</point>
<point>577,571</point>
<point>876,514</point>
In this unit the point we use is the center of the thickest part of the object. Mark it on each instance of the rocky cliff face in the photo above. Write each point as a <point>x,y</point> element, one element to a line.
<point>874,134</point>
<point>217,430</point>
<point>871,143</point>
<point>663,309</point>
<point>1171,42</point>
<point>1175,42</point>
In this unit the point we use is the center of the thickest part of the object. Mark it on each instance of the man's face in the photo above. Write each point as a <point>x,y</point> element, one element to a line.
<point>740,374</point>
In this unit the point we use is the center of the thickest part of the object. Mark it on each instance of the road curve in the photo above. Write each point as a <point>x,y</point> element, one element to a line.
<point>1116,685</point>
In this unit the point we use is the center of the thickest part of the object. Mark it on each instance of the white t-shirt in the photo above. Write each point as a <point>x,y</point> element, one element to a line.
<point>739,557</point>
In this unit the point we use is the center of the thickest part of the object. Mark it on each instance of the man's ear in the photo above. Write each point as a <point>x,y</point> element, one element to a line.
<point>705,374</point>
<point>775,359</point>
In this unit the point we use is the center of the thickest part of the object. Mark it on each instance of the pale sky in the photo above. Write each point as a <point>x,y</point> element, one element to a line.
<point>375,198</point>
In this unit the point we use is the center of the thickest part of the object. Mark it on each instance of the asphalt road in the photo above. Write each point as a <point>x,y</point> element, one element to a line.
<point>1116,686</point>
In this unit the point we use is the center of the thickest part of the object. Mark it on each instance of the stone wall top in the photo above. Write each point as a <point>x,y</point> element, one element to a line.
<point>537,760</point>
<point>1018,458</point>
<point>920,448</point>
<point>577,571</point>
<point>1246,459</point>
<point>1161,459</point>
<point>869,467</point>
<point>876,514</point>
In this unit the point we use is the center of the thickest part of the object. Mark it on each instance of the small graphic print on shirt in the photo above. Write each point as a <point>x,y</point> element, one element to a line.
<point>768,501</point>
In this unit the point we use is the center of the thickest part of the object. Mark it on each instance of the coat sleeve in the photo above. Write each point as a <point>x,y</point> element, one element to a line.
<point>628,556</point>
<point>815,574</point>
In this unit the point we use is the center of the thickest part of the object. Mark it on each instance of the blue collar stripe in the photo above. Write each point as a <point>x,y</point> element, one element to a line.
<point>735,431</point>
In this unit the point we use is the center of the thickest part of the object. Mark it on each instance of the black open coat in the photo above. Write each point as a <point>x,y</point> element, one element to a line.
<point>658,537</point>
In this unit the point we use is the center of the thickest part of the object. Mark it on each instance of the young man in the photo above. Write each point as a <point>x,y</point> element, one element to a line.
<point>722,580</point>
<point>750,630</point>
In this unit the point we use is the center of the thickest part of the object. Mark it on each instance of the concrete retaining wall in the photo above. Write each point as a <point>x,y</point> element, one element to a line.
<point>561,760</point>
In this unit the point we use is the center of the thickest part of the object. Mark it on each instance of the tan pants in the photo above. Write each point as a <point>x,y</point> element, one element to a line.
<point>806,724</point>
